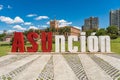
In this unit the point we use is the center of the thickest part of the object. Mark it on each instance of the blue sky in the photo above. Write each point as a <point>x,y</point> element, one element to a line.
<point>19,15</point>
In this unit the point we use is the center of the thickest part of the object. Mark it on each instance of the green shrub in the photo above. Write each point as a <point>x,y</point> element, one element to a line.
<point>113,36</point>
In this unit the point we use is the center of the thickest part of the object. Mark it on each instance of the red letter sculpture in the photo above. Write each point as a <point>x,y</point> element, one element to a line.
<point>31,38</point>
<point>18,42</point>
<point>46,41</point>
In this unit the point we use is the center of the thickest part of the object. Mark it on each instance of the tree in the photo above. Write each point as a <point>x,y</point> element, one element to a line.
<point>64,30</point>
<point>37,31</point>
<point>53,29</point>
<point>2,36</point>
<point>60,30</point>
<point>47,29</point>
<point>112,30</point>
<point>88,32</point>
<point>101,32</point>
<point>67,29</point>
<point>113,36</point>
<point>32,30</point>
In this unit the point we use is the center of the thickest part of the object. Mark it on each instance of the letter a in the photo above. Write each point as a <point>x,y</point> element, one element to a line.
<point>18,42</point>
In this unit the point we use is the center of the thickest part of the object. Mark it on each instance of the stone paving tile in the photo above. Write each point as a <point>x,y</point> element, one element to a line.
<point>113,55</point>
<point>9,68</point>
<point>93,71</point>
<point>11,75</point>
<point>11,60</point>
<point>109,69</point>
<point>33,71</point>
<point>6,57</point>
<point>48,71</point>
<point>62,70</point>
<point>111,60</point>
<point>76,65</point>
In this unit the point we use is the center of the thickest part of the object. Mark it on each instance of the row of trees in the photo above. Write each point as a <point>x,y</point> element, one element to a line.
<point>2,36</point>
<point>112,31</point>
<point>62,30</point>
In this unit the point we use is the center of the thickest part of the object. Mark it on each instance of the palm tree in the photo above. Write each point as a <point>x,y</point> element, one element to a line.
<point>61,30</point>
<point>67,30</point>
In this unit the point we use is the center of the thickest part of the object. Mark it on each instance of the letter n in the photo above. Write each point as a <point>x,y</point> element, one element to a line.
<point>18,42</point>
<point>46,39</point>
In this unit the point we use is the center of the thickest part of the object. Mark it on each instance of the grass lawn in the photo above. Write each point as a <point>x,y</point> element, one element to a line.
<point>115,45</point>
<point>5,47</point>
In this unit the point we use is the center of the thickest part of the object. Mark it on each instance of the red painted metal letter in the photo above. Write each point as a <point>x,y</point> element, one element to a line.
<point>18,42</point>
<point>46,41</point>
<point>31,38</point>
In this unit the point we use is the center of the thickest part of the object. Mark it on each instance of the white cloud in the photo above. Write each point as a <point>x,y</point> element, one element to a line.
<point>9,20</point>
<point>18,20</point>
<point>48,22</point>
<point>27,23</point>
<point>31,15</point>
<point>1,32</point>
<point>10,31</point>
<point>77,27</point>
<point>18,27</point>
<point>63,23</point>
<point>1,7</point>
<point>41,17</point>
<point>43,26</point>
<point>9,7</point>
<point>32,27</point>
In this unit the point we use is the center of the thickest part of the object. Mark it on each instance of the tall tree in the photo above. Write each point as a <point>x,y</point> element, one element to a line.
<point>112,30</point>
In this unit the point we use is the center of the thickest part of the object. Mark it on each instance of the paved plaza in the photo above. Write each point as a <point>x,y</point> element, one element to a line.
<point>60,67</point>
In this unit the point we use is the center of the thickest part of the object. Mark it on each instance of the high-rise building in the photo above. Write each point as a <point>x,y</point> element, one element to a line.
<point>54,24</point>
<point>91,23</point>
<point>115,18</point>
